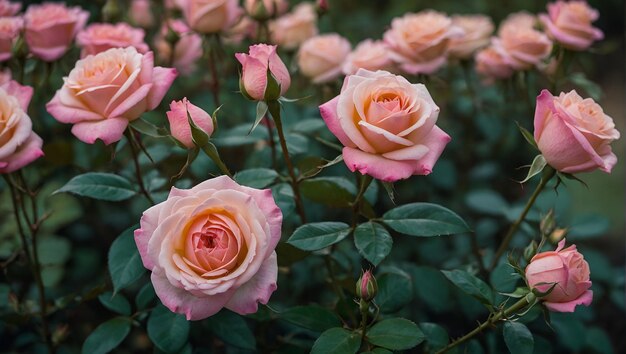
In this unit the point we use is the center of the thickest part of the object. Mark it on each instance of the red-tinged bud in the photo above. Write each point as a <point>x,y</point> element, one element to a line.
<point>366,286</point>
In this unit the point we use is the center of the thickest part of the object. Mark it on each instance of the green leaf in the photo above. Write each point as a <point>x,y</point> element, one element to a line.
<point>599,341</point>
<point>518,338</point>
<point>539,163</point>
<point>115,302</point>
<point>167,330</point>
<point>318,235</point>
<point>424,219</point>
<point>145,296</point>
<point>528,136</point>
<point>373,242</point>
<point>432,288</point>
<point>503,278</point>
<point>256,177</point>
<point>471,285</point>
<point>332,191</point>
<point>487,202</point>
<point>395,334</point>
<point>261,111</point>
<point>337,341</point>
<point>147,128</point>
<point>436,336</point>
<point>107,336</point>
<point>124,261</point>
<point>313,317</point>
<point>232,329</point>
<point>395,290</point>
<point>102,186</point>
<point>315,171</point>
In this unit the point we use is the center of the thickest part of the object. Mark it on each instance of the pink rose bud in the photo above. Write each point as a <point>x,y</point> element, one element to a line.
<point>491,64</point>
<point>419,42</point>
<point>141,13</point>
<point>322,6</point>
<point>51,27</point>
<point>99,37</point>
<point>477,30</point>
<point>322,57</point>
<point>100,100</point>
<point>19,145</point>
<point>366,286</point>
<point>574,134</point>
<point>178,116</point>
<point>262,58</point>
<point>566,272</point>
<point>290,30</point>
<point>187,46</point>
<point>569,24</point>
<point>10,28</point>
<point>210,16</point>
<point>386,125</point>
<point>223,258</point>
<point>8,8</point>
<point>263,10</point>
<point>370,55</point>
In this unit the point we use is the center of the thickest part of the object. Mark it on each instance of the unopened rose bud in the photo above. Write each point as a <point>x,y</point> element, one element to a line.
<point>530,251</point>
<point>547,224</point>
<point>111,11</point>
<point>264,76</point>
<point>557,235</point>
<point>178,117</point>
<point>322,6</point>
<point>366,286</point>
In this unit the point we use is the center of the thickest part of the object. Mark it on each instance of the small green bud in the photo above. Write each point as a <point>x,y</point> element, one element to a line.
<point>530,251</point>
<point>548,223</point>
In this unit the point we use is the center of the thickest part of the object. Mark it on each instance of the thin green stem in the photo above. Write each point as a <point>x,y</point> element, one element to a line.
<point>211,152</point>
<point>138,175</point>
<point>364,306</point>
<point>365,181</point>
<point>270,138</point>
<point>548,173</point>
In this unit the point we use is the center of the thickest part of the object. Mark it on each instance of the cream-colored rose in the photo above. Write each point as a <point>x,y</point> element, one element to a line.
<point>291,29</point>
<point>477,30</point>
<point>321,58</point>
<point>370,55</point>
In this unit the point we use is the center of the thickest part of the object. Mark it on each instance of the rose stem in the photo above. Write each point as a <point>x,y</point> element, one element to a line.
<point>274,107</point>
<point>356,205</point>
<point>523,302</point>
<point>271,141</point>
<point>133,148</point>
<point>548,173</point>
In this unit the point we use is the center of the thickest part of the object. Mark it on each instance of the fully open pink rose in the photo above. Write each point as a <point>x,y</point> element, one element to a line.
<point>8,8</point>
<point>569,23</point>
<point>178,117</point>
<point>290,30</point>
<point>51,27</point>
<point>141,13</point>
<point>19,145</point>
<point>107,90</point>
<point>568,270</point>
<point>523,47</point>
<point>574,134</point>
<point>492,65</point>
<point>477,30</point>
<point>212,246</point>
<point>186,51</point>
<point>10,28</point>
<point>321,58</point>
<point>99,37</point>
<point>255,65</point>
<point>419,42</point>
<point>370,55</point>
<point>386,124</point>
<point>210,16</point>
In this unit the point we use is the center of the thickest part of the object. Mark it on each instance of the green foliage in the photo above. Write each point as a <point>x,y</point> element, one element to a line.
<point>168,331</point>
<point>395,334</point>
<point>124,261</point>
<point>518,338</point>
<point>373,241</point>
<point>337,341</point>
<point>107,336</point>
<point>313,317</point>
<point>232,329</point>
<point>98,185</point>
<point>315,236</point>
<point>425,220</point>
<point>471,285</point>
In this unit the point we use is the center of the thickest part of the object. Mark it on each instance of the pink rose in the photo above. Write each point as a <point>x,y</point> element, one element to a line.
<point>321,58</point>
<point>477,33</point>
<point>210,16</point>
<point>370,55</point>
<point>419,42</point>
<point>523,47</point>
<point>99,37</point>
<point>5,76</point>
<point>212,246</point>
<point>51,27</point>
<point>107,90</point>
<point>19,145</point>
<point>516,21</point>
<point>492,65</point>
<point>141,13</point>
<point>8,8</point>
<point>246,28</point>
<point>179,121</point>
<point>573,134</point>
<point>290,30</point>
<point>569,23</point>
<point>265,9</point>
<point>10,28</point>
<point>187,50</point>
<point>255,65</point>
<point>386,124</point>
<point>568,270</point>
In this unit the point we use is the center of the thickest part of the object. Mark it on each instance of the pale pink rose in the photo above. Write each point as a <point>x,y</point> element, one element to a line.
<point>574,134</point>
<point>212,246</point>
<point>477,30</point>
<point>567,269</point>
<point>187,50</point>
<point>569,24</point>
<point>141,13</point>
<point>265,9</point>
<point>100,37</point>
<point>19,145</point>
<point>492,65</point>
<point>419,42</point>
<point>321,58</point>
<point>290,30</point>
<point>8,8</point>
<point>10,28</point>
<point>261,58</point>
<point>210,16</point>
<point>51,27</point>
<point>523,48</point>
<point>107,90</point>
<point>5,76</point>
<point>179,121</point>
<point>386,125</point>
<point>518,20</point>
<point>370,55</point>
<point>246,28</point>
